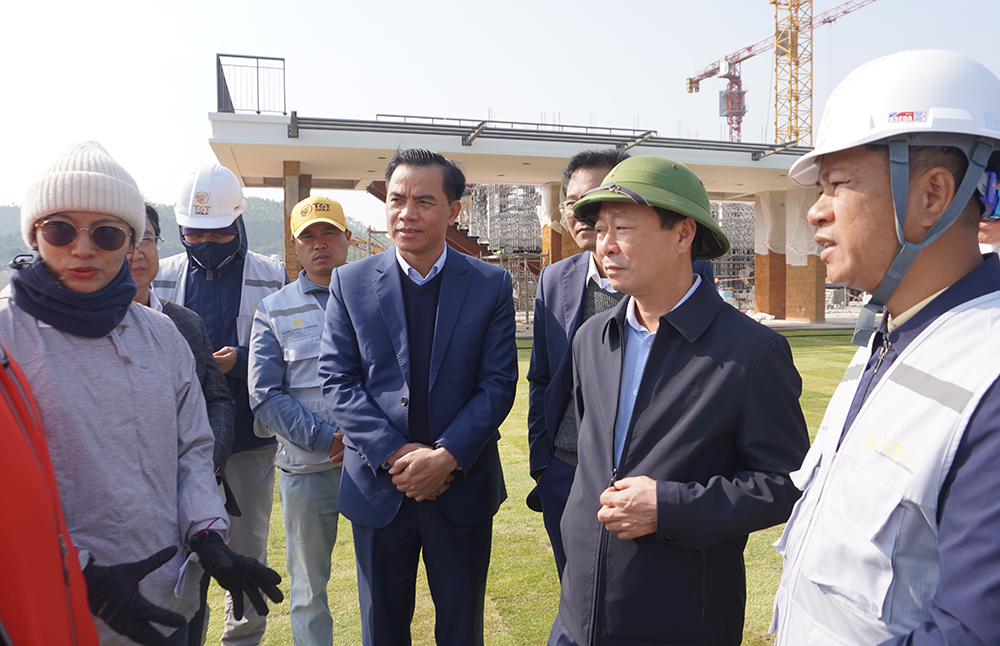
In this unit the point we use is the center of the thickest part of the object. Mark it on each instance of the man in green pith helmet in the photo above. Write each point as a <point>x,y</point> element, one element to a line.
<point>689,424</point>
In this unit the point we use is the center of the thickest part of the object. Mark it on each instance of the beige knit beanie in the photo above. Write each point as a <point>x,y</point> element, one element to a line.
<point>83,178</point>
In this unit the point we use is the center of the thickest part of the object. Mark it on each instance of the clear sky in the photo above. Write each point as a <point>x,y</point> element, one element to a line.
<point>139,75</point>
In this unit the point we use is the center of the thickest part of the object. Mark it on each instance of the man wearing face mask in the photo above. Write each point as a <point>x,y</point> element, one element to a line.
<point>223,281</point>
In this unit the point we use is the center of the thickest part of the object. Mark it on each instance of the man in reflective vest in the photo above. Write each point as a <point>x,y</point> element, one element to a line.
<point>223,282</point>
<point>894,540</point>
<point>285,391</point>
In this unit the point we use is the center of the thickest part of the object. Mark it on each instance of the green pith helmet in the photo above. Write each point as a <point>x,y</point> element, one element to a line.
<point>663,183</point>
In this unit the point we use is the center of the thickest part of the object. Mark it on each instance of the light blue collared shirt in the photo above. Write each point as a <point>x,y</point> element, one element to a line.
<point>638,341</point>
<point>414,275</point>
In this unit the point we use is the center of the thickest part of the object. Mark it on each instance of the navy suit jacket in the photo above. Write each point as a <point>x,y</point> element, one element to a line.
<point>558,315</point>
<point>364,367</point>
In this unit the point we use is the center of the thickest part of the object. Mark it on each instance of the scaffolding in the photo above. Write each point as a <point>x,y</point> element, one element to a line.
<point>523,269</point>
<point>734,272</point>
<point>504,217</point>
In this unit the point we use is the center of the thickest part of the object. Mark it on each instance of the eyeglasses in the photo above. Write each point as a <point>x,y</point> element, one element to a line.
<point>148,243</point>
<point>621,190</point>
<point>567,205</point>
<point>60,234</point>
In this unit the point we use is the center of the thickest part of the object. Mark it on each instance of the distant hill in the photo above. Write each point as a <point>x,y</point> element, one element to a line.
<point>10,218</point>
<point>263,219</point>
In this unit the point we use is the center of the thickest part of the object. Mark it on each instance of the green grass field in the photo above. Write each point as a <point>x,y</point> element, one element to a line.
<point>522,595</point>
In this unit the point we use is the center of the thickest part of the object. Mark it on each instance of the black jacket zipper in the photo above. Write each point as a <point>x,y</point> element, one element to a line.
<point>598,574</point>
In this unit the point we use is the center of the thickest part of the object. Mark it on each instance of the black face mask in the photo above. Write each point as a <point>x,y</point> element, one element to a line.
<point>213,255</point>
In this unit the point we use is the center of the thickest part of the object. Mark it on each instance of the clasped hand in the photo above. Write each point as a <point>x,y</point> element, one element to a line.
<point>628,507</point>
<point>422,472</point>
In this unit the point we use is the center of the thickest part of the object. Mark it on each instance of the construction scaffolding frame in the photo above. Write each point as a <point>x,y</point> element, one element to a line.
<point>504,217</point>
<point>734,272</point>
<point>523,280</point>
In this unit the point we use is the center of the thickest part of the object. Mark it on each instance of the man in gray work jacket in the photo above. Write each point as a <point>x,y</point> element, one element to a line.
<point>285,393</point>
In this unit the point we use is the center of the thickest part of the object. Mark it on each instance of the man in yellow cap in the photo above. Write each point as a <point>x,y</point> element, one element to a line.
<point>689,425</point>
<point>285,395</point>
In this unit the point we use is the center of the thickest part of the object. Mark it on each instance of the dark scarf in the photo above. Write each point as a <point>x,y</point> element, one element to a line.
<point>37,292</point>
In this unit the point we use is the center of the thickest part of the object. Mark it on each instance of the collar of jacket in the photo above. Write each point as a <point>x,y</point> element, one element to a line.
<point>691,319</point>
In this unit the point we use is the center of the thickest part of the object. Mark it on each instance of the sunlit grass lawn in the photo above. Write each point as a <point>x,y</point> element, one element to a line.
<point>522,594</point>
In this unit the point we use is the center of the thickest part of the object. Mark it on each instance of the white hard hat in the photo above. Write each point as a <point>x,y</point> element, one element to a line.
<point>210,198</point>
<point>928,95</point>
<point>920,97</point>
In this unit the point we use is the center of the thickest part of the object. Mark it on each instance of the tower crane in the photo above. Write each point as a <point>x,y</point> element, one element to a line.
<point>792,42</point>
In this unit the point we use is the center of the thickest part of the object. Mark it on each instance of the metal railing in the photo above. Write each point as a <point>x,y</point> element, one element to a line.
<point>471,130</point>
<point>510,125</point>
<point>250,83</point>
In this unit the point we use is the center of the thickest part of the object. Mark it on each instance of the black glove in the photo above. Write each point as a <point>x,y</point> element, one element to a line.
<point>113,594</point>
<point>232,508</point>
<point>237,573</point>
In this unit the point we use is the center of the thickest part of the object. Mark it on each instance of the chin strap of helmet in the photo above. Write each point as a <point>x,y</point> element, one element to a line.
<point>899,172</point>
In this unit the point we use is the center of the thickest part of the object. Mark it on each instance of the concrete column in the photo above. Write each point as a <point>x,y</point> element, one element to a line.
<point>305,186</point>
<point>552,244</point>
<point>769,257</point>
<point>549,218</point>
<point>769,285</point>
<point>805,291</point>
<point>290,181</point>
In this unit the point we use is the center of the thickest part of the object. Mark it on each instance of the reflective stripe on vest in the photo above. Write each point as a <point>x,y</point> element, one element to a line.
<point>860,549</point>
<point>262,276</point>
<point>297,321</point>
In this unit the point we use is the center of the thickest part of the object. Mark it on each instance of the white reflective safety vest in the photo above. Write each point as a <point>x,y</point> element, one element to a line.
<point>297,321</point>
<point>261,276</point>
<point>860,549</point>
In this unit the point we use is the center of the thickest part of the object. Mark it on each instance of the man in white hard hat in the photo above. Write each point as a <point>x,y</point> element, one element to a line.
<point>285,392</point>
<point>223,281</point>
<point>894,540</point>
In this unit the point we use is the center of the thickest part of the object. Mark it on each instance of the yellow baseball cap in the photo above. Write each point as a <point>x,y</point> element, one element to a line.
<point>317,209</point>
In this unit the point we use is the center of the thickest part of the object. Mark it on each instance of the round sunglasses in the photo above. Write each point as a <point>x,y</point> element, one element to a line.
<point>60,234</point>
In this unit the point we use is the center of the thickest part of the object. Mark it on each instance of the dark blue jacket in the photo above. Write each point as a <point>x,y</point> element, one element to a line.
<point>364,368</point>
<point>558,314</point>
<point>216,299</point>
<point>717,424</point>
<point>558,311</point>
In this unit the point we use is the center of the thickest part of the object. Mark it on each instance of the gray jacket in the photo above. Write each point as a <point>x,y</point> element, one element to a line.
<point>125,421</point>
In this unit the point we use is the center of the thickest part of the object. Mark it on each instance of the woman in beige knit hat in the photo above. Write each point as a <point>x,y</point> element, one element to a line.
<point>121,407</point>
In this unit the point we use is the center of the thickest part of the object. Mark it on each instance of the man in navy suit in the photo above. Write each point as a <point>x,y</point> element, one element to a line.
<point>569,292</point>
<point>419,368</point>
